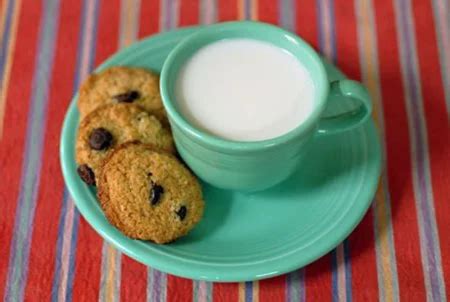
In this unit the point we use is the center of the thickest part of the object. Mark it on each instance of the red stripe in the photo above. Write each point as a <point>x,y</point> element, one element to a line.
<point>346,40</point>
<point>15,123</point>
<point>189,13</point>
<point>438,129</point>
<point>273,289</point>
<point>406,235</point>
<point>133,280</point>
<point>363,260</point>
<point>318,280</point>
<point>45,226</point>
<point>178,289</point>
<point>108,31</point>
<point>149,20</point>
<point>306,20</point>
<point>87,264</point>
<point>228,10</point>
<point>225,292</point>
<point>268,11</point>
<point>362,240</point>
<point>89,245</point>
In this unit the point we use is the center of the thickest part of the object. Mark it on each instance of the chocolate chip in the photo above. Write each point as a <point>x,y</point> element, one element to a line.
<point>100,139</point>
<point>127,97</point>
<point>155,193</point>
<point>86,174</point>
<point>182,211</point>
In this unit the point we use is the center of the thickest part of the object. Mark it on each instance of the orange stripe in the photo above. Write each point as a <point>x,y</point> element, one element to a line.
<point>111,277</point>
<point>241,292</point>
<point>3,10</point>
<point>255,289</point>
<point>240,7</point>
<point>254,10</point>
<point>9,58</point>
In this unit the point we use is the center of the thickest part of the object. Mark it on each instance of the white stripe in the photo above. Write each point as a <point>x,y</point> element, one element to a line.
<point>88,40</point>
<point>202,291</point>
<point>149,284</point>
<point>326,21</point>
<point>207,11</point>
<point>162,15</point>
<point>68,227</point>
<point>107,253</point>
<point>175,13</point>
<point>137,16</point>
<point>341,282</point>
<point>103,277</point>
<point>163,288</point>
<point>118,275</point>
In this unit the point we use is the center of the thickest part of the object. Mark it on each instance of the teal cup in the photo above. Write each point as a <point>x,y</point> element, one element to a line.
<point>258,165</point>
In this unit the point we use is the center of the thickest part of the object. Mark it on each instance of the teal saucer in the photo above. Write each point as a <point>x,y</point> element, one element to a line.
<point>248,236</point>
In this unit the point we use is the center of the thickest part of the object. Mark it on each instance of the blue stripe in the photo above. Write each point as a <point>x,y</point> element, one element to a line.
<point>6,35</point>
<point>94,36</point>
<point>249,291</point>
<point>333,32</point>
<point>348,270</point>
<point>59,244</point>
<point>334,276</point>
<point>169,16</point>
<point>247,7</point>
<point>320,25</point>
<point>20,247</point>
<point>287,14</point>
<point>295,289</point>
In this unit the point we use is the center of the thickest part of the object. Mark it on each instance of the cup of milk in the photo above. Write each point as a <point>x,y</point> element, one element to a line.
<point>245,99</point>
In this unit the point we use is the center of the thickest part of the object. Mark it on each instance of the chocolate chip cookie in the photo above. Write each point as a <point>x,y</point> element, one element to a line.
<point>122,84</point>
<point>149,195</point>
<point>112,125</point>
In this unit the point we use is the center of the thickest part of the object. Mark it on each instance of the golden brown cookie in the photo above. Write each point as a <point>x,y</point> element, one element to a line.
<point>149,195</point>
<point>122,84</point>
<point>112,125</point>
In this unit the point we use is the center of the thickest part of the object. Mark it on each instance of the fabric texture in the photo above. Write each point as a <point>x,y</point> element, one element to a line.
<point>400,49</point>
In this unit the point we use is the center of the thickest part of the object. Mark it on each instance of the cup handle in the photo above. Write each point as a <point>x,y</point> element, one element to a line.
<point>350,119</point>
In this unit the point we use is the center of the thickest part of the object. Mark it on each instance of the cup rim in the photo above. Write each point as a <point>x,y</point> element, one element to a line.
<point>230,145</point>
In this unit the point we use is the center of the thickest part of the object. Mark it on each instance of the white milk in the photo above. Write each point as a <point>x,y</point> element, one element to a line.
<point>244,90</point>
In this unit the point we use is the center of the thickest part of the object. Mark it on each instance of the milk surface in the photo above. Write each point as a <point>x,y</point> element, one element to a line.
<point>244,90</point>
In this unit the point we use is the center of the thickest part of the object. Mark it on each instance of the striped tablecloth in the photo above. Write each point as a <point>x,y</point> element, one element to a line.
<point>400,49</point>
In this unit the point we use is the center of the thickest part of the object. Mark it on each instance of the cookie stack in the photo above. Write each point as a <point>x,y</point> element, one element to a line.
<point>125,148</point>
